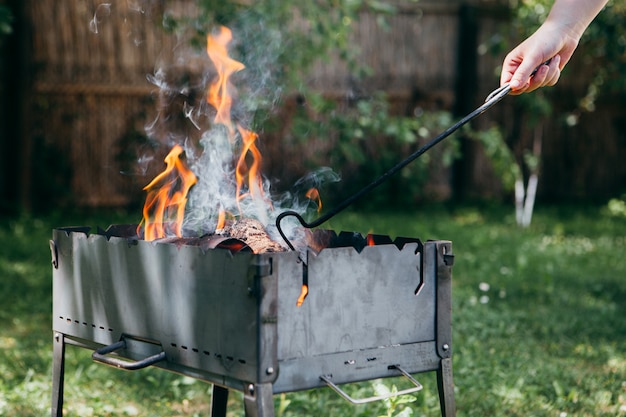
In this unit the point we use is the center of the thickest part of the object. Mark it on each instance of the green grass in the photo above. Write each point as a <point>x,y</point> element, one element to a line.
<point>538,322</point>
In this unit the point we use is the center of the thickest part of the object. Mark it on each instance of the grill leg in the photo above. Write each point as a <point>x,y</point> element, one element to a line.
<point>219,401</point>
<point>58,374</point>
<point>258,400</point>
<point>446,388</point>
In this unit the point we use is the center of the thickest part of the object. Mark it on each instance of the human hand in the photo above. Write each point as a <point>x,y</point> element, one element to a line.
<point>551,42</point>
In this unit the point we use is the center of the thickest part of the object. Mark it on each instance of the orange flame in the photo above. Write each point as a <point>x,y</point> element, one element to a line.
<point>304,291</point>
<point>167,195</point>
<point>221,220</point>
<point>314,195</point>
<point>218,95</point>
<point>253,171</point>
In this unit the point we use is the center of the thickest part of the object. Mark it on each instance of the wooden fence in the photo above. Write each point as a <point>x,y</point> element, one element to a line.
<point>90,101</point>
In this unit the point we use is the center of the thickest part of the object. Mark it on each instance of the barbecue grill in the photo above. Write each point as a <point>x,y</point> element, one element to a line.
<point>213,310</point>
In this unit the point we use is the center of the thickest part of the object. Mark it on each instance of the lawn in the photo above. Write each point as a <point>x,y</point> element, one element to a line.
<point>538,322</point>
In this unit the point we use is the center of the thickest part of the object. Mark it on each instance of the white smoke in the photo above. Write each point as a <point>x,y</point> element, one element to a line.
<point>103,11</point>
<point>183,117</point>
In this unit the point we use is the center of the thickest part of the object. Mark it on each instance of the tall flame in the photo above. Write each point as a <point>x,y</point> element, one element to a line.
<point>219,97</point>
<point>167,195</point>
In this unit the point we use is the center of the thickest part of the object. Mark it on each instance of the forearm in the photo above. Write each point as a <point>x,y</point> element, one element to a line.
<point>553,44</point>
<point>574,15</point>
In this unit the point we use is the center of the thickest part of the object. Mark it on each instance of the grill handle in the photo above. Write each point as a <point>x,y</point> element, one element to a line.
<point>357,401</point>
<point>100,356</point>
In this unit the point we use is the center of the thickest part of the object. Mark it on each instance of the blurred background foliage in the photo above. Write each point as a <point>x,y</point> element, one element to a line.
<point>602,51</point>
<point>354,130</point>
<point>6,20</point>
<point>295,36</point>
<point>603,46</point>
<point>286,40</point>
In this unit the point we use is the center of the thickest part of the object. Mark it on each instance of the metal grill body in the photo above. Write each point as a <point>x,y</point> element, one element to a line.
<point>232,320</point>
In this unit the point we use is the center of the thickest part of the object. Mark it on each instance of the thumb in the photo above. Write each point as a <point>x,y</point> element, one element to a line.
<point>522,74</point>
<point>525,71</point>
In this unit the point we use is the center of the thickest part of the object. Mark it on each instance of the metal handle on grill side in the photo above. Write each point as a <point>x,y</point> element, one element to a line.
<point>357,401</point>
<point>100,356</point>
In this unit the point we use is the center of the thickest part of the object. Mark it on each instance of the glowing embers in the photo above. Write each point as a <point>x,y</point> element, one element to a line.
<point>316,240</point>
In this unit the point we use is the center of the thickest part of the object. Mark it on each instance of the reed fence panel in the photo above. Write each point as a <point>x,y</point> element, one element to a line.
<point>90,98</point>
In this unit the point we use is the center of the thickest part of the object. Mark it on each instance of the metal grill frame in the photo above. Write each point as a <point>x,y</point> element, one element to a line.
<point>367,313</point>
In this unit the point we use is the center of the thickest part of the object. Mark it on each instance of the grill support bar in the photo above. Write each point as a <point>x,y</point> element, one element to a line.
<point>446,388</point>
<point>58,374</point>
<point>444,259</point>
<point>219,401</point>
<point>257,400</point>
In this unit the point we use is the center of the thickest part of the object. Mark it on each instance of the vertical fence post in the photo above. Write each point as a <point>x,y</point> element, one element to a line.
<point>15,140</point>
<point>465,91</point>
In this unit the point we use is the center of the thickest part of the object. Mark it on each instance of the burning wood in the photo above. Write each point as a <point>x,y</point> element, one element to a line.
<point>253,233</point>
